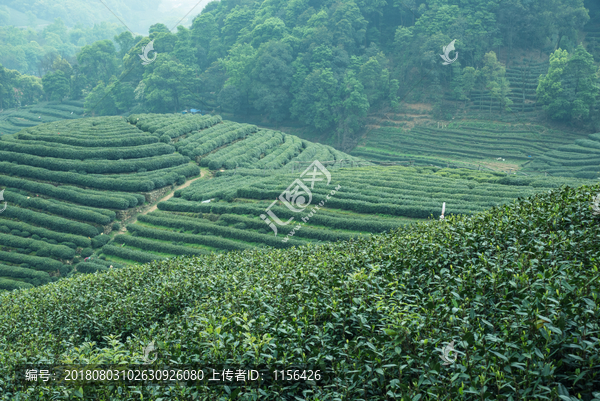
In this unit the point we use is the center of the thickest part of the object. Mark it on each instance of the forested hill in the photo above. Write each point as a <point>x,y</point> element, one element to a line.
<point>328,63</point>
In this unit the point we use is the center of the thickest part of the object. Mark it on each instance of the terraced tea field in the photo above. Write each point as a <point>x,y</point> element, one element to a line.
<point>224,213</point>
<point>14,120</point>
<point>531,149</point>
<point>231,144</point>
<point>73,185</point>
<point>67,184</point>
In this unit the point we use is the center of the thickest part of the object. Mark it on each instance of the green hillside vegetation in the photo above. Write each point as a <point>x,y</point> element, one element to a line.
<point>232,144</point>
<point>67,183</point>
<point>13,120</point>
<point>303,64</point>
<point>515,288</point>
<point>370,200</point>
<point>73,182</point>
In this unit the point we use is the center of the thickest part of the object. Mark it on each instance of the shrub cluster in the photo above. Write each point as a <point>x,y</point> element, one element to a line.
<point>88,198</point>
<point>304,232</point>
<point>514,289</point>
<point>58,251</point>
<point>49,149</point>
<point>96,166</point>
<point>243,152</point>
<point>36,262</point>
<point>90,267</point>
<point>87,142</point>
<point>241,132</point>
<point>93,181</point>
<point>157,246</point>
<point>165,235</point>
<point>9,285</point>
<point>34,277</point>
<point>43,233</point>
<point>188,125</point>
<point>166,220</point>
<point>187,145</point>
<point>58,208</point>
<point>130,254</point>
<point>51,222</point>
<point>281,155</point>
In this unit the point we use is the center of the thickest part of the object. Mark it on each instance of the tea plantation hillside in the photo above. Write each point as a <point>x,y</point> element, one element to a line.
<point>530,149</point>
<point>230,211</point>
<point>70,183</point>
<point>78,191</point>
<point>14,120</point>
<point>230,145</point>
<point>66,184</point>
<point>515,289</point>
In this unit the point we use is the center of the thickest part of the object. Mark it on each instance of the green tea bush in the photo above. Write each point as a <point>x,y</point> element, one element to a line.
<point>51,222</point>
<point>59,251</point>
<point>188,124</point>
<point>61,209</point>
<point>96,166</point>
<point>8,284</point>
<point>166,220</point>
<point>514,288</point>
<point>121,141</point>
<point>224,138</point>
<point>100,240</point>
<point>48,149</point>
<point>306,232</point>
<point>157,246</point>
<point>36,262</point>
<point>284,153</point>
<point>92,181</point>
<point>166,235</point>
<point>24,273</point>
<point>130,254</point>
<point>40,232</point>
<point>88,198</point>
<point>89,267</point>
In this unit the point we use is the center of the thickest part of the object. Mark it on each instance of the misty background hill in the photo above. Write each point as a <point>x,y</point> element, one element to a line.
<point>138,15</point>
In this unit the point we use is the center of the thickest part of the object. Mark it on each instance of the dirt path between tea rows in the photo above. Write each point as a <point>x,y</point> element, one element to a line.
<point>165,198</point>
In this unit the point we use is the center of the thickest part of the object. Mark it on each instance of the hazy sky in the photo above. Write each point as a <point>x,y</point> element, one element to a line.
<point>171,11</point>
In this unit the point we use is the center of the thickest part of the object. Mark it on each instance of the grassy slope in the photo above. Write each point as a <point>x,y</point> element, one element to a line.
<point>515,287</point>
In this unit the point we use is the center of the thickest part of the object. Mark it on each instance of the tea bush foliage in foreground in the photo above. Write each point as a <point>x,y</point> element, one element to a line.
<point>515,287</point>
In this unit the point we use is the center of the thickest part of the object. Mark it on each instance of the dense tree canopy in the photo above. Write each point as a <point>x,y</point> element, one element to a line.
<point>327,63</point>
<point>570,89</point>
